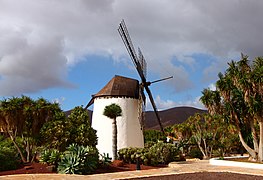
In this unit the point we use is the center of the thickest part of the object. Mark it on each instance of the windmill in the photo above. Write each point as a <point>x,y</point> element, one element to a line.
<point>129,94</point>
<point>140,65</point>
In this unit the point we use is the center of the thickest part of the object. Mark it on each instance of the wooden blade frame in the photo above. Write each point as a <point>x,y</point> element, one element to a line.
<point>123,31</point>
<point>142,63</point>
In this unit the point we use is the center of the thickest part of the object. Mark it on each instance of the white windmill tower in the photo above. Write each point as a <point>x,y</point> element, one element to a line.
<point>124,92</point>
<point>129,95</point>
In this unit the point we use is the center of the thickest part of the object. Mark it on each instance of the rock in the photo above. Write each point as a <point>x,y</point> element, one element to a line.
<point>51,168</point>
<point>28,167</point>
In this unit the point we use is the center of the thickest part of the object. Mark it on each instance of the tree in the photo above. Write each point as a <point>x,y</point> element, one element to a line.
<point>63,131</point>
<point>151,135</point>
<point>24,117</point>
<point>240,88</point>
<point>210,133</point>
<point>169,131</point>
<point>79,128</point>
<point>113,111</point>
<point>211,100</point>
<point>10,121</point>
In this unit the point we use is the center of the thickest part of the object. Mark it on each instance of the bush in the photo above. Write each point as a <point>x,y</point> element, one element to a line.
<point>63,131</point>
<point>79,160</point>
<point>105,160</point>
<point>50,157</point>
<point>153,135</point>
<point>9,157</point>
<point>165,152</point>
<point>159,153</point>
<point>128,154</point>
<point>195,153</point>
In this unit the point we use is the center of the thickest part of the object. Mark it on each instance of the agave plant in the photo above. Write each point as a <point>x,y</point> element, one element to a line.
<point>70,164</point>
<point>79,160</point>
<point>105,160</point>
<point>50,157</point>
<point>44,156</point>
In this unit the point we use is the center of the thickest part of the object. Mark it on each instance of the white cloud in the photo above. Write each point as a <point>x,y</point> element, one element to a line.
<point>59,100</point>
<point>40,39</point>
<point>212,87</point>
<point>167,104</point>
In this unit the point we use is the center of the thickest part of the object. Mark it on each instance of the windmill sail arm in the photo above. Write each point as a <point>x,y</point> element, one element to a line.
<point>129,46</point>
<point>163,79</point>
<point>127,42</point>
<point>154,107</point>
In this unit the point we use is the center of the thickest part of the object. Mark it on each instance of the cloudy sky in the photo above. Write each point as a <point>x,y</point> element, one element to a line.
<point>65,51</point>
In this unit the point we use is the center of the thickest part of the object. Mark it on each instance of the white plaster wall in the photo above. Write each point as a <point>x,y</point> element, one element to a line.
<point>128,125</point>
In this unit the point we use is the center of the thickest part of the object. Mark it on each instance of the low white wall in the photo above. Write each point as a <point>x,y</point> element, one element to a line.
<point>218,162</point>
<point>128,125</point>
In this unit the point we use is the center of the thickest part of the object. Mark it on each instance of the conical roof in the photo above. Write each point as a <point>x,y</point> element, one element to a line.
<point>119,86</point>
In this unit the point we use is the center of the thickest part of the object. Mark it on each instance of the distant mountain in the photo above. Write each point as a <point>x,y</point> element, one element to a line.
<point>169,117</point>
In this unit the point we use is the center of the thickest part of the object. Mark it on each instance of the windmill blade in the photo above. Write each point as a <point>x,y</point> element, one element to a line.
<point>142,93</point>
<point>141,107</point>
<point>163,79</point>
<point>154,108</point>
<point>142,62</point>
<point>123,31</point>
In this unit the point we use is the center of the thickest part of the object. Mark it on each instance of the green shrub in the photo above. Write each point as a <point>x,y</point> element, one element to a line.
<point>79,160</point>
<point>9,157</point>
<point>195,153</point>
<point>50,157</point>
<point>128,154</point>
<point>63,131</point>
<point>153,135</point>
<point>165,152</point>
<point>149,144</point>
<point>105,160</point>
<point>159,153</point>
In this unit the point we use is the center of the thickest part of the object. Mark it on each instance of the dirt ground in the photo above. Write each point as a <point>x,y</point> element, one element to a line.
<point>35,168</point>
<point>41,168</point>
<point>204,176</point>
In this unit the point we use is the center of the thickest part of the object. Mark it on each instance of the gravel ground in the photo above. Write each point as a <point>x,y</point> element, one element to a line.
<point>205,176</point>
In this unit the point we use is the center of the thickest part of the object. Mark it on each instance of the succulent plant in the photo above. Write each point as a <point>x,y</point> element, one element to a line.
<point>79,160</point>
<point>158,153</point>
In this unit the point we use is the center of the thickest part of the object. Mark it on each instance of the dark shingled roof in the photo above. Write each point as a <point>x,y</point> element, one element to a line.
<point>119,86</point>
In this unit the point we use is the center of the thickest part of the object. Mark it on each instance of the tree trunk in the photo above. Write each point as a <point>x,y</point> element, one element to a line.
<point>199,141</point>
<point>249,150</point>
<point>202,150</point>
<point>205,147</point>
<point>114,139</point>
<point>260,152</point>
<point>27,150</point>
<point>17,147</point>
<point>254,136</point>
<point>211,151</point>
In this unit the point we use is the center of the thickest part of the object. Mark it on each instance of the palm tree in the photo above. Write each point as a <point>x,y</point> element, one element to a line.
<point>113,111</point>
<point>211,100</point>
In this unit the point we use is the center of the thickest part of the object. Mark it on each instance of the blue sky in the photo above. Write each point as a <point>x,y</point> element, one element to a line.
<point>67,51</point>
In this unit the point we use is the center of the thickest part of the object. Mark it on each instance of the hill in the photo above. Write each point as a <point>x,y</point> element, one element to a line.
<point>169,117</point>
